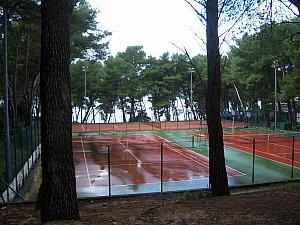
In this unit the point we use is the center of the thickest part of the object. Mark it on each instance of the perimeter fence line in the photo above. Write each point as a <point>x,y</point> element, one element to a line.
<point>165,166</point>
<point>23,156</point>
<point>146,126</point>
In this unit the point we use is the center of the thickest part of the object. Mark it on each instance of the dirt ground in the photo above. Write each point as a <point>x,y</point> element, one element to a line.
<point>263,207</point>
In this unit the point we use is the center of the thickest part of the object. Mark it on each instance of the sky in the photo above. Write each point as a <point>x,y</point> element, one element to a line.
<point>154,24</point>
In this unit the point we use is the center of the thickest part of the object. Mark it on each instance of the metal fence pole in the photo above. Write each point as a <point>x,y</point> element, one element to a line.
<point>27,150</point>
<point>7,168</point>
<point>161,167</point>
<point>31,143</point>
<point>99,121</point>
<point>253,160</point>
<point>293,157</point>
<point>15,155</point>
<point>35,141</point>
<point>193,141</point>
<point>109,170</point>
<point>22,158</point>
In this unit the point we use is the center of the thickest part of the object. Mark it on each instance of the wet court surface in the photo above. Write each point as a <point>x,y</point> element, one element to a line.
<point>126,164</point>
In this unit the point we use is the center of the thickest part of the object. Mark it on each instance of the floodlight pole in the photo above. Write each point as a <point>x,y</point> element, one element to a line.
<point>5,94</point>
<point>275,65</point>
<point>84,69</point>
<point>191,70</point>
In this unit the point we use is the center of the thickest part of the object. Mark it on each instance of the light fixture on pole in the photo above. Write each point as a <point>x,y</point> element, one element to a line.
<point>275,65</point>
<point>191,71</point>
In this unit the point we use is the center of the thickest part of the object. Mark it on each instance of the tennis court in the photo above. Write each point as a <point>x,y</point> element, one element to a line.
<point>110,164</point>
<point>133,158</point>
<point>279,147</point>
<point>148,126</point>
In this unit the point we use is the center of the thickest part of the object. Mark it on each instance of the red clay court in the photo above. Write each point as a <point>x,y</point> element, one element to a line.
<point>147,126</point>
<point>273,146</point>
<point>134,160</point>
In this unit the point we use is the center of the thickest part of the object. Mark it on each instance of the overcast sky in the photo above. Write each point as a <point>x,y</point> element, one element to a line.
<point>154,24</point>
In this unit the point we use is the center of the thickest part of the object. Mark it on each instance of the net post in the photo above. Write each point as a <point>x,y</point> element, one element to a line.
<point>293,157</point>
<point>253,160</point>
<point>109,170</point>
<point>161,167</point>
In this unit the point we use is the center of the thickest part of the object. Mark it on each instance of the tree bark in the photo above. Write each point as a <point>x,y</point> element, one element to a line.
<point>57,193</point>
<point>217,170</point>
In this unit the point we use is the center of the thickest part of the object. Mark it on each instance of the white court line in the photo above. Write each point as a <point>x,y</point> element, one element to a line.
<point>139,162</point>
<point>86,166</point>
<point>189,156</point>
<point>116,127</point>
<point>256,150</point>
<point>186,156</point>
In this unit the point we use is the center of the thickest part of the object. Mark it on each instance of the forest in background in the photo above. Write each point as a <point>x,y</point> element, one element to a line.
<point>123,80</point>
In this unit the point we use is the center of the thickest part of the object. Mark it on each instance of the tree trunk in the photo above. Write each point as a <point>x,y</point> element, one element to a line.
<point>57,194</point>
<point>123,110</point>
<point>217,170</point>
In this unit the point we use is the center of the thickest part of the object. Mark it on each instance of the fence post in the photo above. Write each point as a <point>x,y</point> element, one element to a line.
<point>22,158</point>
<point>109,170</point>
<point>161,167</point>
<point>31,143</point>
<point>293,157</point>
<point>15,154</point>
<point>6,168</point>
<point>35,141</point>
<point>193,141</point>
<point>253,160</point>
<point>27,155</point>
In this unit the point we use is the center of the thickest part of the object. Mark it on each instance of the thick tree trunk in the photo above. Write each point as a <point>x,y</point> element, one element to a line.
<point>58,198</point>
<point>217,170</point>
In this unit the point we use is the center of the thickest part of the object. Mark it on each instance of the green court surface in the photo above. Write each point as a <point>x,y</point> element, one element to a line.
<point>265,170</point>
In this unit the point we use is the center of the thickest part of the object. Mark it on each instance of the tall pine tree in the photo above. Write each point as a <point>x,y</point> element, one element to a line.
<point>58,198</point>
